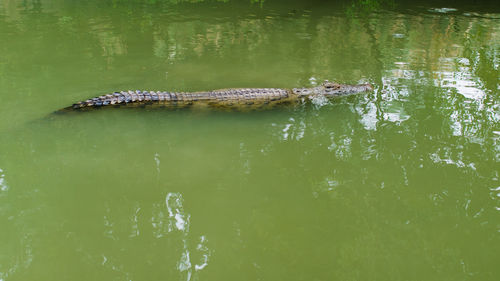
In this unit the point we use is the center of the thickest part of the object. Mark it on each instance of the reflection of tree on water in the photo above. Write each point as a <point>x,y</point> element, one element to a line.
<point>332,37</point>
<point>179,221</point>
<point>170,225</point>
<point>3,183</point>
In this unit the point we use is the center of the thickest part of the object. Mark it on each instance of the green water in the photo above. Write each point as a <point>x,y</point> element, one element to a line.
<point>398,184</point>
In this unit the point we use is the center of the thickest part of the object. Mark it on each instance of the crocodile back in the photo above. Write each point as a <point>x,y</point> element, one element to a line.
<point>218,98</point>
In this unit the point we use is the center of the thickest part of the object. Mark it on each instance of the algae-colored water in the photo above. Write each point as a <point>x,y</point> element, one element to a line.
<point>398,184</point>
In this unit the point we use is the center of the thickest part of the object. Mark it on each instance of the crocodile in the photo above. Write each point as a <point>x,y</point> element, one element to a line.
<point>244,98</point>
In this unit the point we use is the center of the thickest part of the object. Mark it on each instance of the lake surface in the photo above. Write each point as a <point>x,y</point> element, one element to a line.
<point>398,184</point>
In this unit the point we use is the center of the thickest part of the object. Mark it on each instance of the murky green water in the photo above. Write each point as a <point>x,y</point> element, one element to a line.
<point>398,184</point>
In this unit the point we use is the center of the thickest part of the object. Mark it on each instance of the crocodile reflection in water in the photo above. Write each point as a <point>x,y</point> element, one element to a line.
<point>246,98</point>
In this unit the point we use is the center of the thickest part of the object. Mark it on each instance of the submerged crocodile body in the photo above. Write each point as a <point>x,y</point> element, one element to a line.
<point>225,98</point>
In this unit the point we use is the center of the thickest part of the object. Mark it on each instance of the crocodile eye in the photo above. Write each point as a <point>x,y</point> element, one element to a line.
<point>330,85</point>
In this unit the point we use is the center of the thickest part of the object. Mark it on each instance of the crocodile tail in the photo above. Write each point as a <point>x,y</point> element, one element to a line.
<point>116,98</point>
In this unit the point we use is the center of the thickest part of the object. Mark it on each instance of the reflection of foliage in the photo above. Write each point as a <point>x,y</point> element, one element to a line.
<point>364,7</point>
<point>152,2</point>
<point>66,23</point>
<point>260,2</point>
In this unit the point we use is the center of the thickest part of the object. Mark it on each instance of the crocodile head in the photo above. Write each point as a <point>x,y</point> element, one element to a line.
<point>333,89</point>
